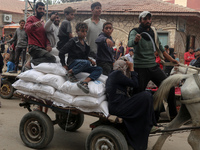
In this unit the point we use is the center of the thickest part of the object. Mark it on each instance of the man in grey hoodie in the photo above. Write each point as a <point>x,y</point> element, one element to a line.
<point>21,39</point>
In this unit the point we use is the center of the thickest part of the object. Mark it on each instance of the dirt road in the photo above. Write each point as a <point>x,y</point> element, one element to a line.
<point>11,114</point>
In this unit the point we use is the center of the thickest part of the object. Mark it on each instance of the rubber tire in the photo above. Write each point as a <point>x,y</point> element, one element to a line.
<point>106,133</point>
<point>32,121</point>
<point>76,120</point>
<point>6,83</point>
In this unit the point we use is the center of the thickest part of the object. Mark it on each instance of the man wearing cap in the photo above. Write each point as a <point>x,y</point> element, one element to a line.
<point>144,58</point>
<point>197,55</point>
<point>130,55</point>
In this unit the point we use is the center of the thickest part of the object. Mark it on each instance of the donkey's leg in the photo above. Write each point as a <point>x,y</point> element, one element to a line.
<point>194,137</point>
<point>180,119</point>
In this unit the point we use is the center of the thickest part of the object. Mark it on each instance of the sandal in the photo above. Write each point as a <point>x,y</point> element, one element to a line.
<point>71,77</point>
<point>83,86</point>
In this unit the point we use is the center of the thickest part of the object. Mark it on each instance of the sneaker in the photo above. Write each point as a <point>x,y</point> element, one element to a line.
<point>83,86</point>
<point>71,77</point>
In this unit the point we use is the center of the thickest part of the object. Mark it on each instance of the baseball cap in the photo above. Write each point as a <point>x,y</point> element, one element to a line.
<point>144,14</point>
<point>196,50</point>
<point>131,50</point>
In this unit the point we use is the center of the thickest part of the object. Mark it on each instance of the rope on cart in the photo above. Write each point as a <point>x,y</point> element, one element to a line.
<point>66,125</point>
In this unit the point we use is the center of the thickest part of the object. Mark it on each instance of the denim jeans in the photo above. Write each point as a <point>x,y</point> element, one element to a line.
<point>81,65</point>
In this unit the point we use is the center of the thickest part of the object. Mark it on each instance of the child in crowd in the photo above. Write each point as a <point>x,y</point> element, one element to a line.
<point>176,57</point>
<point>120,51</point>
<point>130,55</point>
<point>9,38</point>
<point>78,60</point>
<point>105,43</point>
<point>11,59</point>
<point>65,31</point>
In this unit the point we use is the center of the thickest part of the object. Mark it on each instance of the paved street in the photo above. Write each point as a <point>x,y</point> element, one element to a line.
<point>11,114</point>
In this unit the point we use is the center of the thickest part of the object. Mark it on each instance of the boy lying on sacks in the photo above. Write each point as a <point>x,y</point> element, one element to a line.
<point>78,60</point>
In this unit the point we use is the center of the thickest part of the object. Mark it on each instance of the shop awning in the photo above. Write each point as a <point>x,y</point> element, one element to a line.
<point>11,26</point>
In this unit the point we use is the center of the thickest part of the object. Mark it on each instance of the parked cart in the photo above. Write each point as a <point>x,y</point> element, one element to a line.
<point>7,80</point>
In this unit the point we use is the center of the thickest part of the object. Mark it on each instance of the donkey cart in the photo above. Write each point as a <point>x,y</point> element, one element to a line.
<point>36,128</point>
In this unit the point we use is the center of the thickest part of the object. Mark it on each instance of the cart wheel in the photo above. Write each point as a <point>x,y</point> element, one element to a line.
<point>74,121</point>
<point>36,129</point>
<point>6,89</point>
<point>106,137</point>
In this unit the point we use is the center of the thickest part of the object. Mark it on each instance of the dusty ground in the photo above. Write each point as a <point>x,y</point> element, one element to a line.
<point>11,114</point>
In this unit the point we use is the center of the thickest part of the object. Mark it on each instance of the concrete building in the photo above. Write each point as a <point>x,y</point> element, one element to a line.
<point>177,26</point>
<point>11,11</point>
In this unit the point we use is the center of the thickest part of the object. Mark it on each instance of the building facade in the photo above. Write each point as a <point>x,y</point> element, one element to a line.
<point>11,11</point>
<point>177,26</point>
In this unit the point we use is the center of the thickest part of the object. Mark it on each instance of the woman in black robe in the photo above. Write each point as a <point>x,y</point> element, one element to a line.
<point>136,111</point>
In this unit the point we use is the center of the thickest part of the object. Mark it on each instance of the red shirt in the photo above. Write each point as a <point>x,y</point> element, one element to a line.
<point>36,35</point>
<point>127,50</point>
<point>158,60</point>
<point>188,57</point>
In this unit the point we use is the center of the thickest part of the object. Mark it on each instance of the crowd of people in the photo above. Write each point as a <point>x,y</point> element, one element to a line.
<point>97,56</point>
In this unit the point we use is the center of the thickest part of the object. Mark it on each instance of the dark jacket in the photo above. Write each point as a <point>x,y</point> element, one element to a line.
<point>63,34</point>
<point>75,50</point>
<point>104,53</point>
<point>197,63</point>
<point>117,81</point>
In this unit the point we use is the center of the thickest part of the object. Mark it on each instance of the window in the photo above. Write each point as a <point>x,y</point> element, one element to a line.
<point>163,38</point>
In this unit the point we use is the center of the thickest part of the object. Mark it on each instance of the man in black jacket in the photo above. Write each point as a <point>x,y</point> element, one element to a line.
<point>197,55</point>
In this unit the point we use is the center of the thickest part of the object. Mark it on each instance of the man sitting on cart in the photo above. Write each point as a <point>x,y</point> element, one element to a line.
<point>39,46</point>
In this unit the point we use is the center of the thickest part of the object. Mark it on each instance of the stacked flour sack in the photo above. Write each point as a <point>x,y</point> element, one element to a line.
<point>48,81</point>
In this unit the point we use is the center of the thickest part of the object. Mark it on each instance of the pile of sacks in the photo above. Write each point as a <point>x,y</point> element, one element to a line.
<point>48,81</point>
